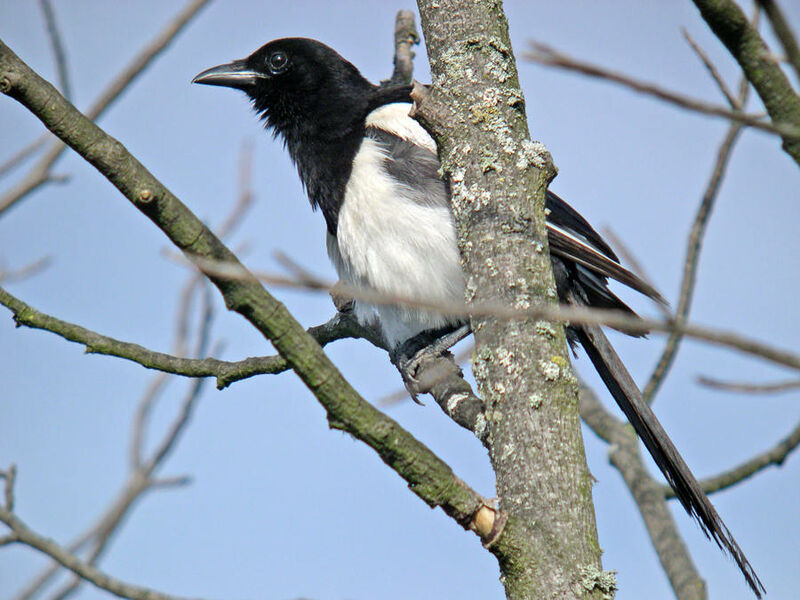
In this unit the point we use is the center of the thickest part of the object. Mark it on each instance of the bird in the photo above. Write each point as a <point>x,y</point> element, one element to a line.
<point>373,172</point>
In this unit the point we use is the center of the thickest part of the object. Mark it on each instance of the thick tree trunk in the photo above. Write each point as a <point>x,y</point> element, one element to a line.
<point>498,177</point>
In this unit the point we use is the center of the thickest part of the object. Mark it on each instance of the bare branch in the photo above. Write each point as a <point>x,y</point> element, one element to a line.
<point>140,479</point>
<point>57,45</point>
<point>405,38</point>
<point>626,458</point>
<point>141,419</point>
<point>693,249</point>
<point>26,271</point>
<point>22,154</point>
<point>171,482</point>
<point>593,316</point>
<point>730,24</point>
<point>783,32</point>
<point>546,55</point>
<point>47,574</point>
<point>9,477</point>
<point>775,456</point>
<point>741,387</point>
<point>40,173</point>
<point>26,536</point>
<point>339,327</point>
<point>636,266</point>
<point>712,70</point>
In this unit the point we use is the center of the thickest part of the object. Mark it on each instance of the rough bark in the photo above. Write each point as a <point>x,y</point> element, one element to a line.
<point>475,111</point>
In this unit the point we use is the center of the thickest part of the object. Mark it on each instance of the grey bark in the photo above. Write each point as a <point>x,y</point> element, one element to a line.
<point>475,111</point>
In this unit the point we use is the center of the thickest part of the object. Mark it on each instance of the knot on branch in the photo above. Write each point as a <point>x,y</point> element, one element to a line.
<point>488,523</point>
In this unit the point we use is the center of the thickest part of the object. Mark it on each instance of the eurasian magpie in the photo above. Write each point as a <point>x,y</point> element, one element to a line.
<point>374,173</point>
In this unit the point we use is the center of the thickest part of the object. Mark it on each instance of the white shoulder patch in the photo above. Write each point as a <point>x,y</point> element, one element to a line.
<point>394,119</point>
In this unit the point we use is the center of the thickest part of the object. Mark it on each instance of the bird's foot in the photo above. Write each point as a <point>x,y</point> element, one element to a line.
<point>411,354</point>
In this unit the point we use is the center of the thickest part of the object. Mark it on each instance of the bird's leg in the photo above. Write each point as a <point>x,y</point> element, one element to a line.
<point>409,356</point>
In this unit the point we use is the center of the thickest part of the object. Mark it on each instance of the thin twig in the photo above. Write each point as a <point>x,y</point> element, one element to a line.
<point>47,574</point>
<point>28,537</point>
<point>26,271</point>
<point>783,32</point>
<point>624,455</point>
<point>57,45</point>
<point>245,196</point>
<point>546,55</point>
<point>635,264</point>
<point>142,417</point>
<point>9,477</point>
<point>712,70</point>
<point>584,315</point>
<point>774,456</point>
<point>226,372</point>
<point>405,38</point>
<point>694,246</point>
<point>743,387</point>
<point>24,153</point>
<point>141,477</point>
<point>40,172</point>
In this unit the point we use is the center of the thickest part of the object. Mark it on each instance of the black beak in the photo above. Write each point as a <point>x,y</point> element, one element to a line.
<point>235,74</point>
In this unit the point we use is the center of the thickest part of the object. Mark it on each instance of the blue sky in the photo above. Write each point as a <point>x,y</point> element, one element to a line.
<point>280,506</point>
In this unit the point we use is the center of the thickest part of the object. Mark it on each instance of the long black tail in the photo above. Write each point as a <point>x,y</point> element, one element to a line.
<point>625,391</point>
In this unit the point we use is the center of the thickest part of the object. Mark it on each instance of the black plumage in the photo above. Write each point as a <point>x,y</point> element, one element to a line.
<point>374,174</point>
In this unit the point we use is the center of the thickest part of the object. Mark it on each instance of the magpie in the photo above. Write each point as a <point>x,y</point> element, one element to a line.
<point>374,173</point>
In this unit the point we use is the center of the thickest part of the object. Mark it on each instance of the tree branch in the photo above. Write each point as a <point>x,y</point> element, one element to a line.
<point>23,535</point>
<point>731,26</point>
<point>339,327</point>
<point>694,246</point>
<point>546,55</point>
<point>742,387</point>
<point>712,70</point>
<point>405,38</point>
<point>774,456</point>
<point>783,32</point>
<point>624,454</point>
<point>58,48</point>
<point>40,173</point>
<point>493,309</point>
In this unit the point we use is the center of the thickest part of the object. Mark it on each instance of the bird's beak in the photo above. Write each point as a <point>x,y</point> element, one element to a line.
<point>235,74</point>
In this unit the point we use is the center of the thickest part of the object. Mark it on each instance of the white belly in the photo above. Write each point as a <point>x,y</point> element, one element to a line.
<point>390,244</point>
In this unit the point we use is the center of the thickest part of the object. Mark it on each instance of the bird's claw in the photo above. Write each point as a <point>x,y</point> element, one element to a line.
<point>410,355</point>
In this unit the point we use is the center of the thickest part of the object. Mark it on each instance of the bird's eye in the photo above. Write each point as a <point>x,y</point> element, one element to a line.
<point>277,62</point>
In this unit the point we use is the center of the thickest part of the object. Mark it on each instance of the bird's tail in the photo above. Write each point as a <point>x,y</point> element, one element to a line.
<point>625,391</point>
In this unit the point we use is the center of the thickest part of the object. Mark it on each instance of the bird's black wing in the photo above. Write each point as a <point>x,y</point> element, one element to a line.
<point>570,236</point>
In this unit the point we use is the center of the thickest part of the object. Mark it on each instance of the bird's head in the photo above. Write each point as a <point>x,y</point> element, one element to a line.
<point>298,85</point>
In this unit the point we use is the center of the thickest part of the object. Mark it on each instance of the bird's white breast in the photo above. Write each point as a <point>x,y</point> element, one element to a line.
<point>389,243</point>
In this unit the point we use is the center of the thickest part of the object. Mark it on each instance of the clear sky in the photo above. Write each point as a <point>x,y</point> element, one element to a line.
<point>281,507</point>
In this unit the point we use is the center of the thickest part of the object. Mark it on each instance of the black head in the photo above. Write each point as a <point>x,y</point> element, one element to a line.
<point>299,86</point>
<point>315,100</point>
